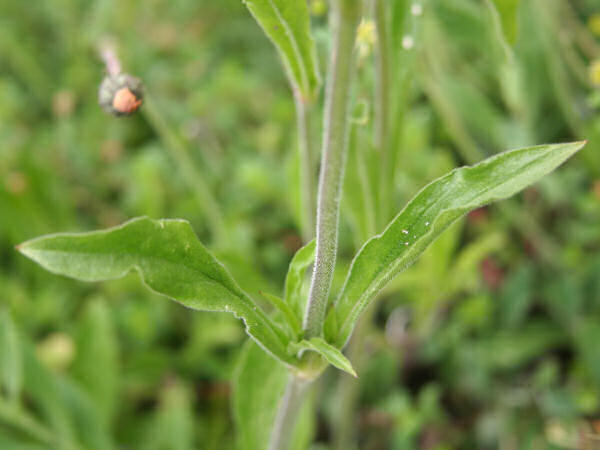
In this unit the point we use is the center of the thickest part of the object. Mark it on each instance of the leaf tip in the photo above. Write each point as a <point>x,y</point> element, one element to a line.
<point>22,248</point>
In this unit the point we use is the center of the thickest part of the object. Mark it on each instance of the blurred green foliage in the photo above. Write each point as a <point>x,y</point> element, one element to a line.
<point>490,341</point>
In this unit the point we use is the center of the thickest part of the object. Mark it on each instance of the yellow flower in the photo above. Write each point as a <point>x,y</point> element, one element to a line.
<point>365,38</point>
<point>595,73</point>
<point>365,34</point>
<point>594,24</point>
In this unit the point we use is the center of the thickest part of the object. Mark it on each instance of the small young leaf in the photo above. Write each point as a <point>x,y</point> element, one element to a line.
<point>287,24</point>
<point>333,355</point>
<point>290,318</point>
<point>295,276</point>
<point>170,260</point>
<point>430,213</point>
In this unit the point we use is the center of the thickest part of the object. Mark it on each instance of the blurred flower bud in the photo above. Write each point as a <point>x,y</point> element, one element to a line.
<point>318,8</point>
<point>365,37</point>
<point>56,351</point>
<point>120,95</point>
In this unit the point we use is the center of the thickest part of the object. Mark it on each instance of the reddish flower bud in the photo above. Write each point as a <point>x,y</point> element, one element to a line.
<point>120,95</point>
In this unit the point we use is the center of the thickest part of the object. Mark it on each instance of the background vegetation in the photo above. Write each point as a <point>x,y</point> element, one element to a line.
<point>490,341</point>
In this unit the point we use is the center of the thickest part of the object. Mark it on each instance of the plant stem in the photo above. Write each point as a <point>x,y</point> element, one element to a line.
<point>289,408</point>
<point>305,147</point>
<point>344,18</point>
<point>179,151</point>
<point>382,109</point>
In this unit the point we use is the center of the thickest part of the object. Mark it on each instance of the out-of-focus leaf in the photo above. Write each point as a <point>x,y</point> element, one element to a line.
<point>586,334</point>
<point>170,260</point>
<point>287,24</point>
<point>10,357</point>
<point>17,444</point>
<point>70,414</point>
<point>506,350</point>
<point>333,355</point>
<point>173,426</point>
<point>431,212</point>
<point>507,9</point>
<point>96,362</point>
<point>295,276</point>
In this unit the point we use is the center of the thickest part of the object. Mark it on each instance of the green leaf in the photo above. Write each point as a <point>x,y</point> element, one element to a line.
<point>11,371</point>
<point>331,354</point>
<point>258,385</point>
<point>295,276</point>
<point>430,213</point>
<point>507,10</point>
<point>96,365</point>
<point>291,319</point>
<point>287,24</point>
<point>173,425</point>
<point>171,262</point>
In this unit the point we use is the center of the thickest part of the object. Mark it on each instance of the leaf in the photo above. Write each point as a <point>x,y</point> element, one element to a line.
<point>258,386</point>
<point>291,319</point>
<point>507,11</point>
<point>333,355</point>
<point>295,276</point>
<point>171,262</point>
<point>11,371</point>
<point>287,24</point>
<point>429,213</point>
<point>68,411</point>
<point>173,424</point>
<point>96,365</point>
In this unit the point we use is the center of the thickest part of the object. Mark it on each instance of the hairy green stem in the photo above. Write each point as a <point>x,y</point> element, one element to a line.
<point>305,147</point>
<point>179,151</point>
<point>344,18</point>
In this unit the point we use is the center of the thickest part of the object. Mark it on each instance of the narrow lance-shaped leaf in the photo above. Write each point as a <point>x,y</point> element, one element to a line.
<point>295,276</point>
<point>331,354</point>
<point>430,213</point>
<point>287,24</point>
<point>170,260</point>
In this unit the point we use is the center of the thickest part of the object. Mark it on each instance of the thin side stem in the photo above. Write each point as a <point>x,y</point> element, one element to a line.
<point>382,109</point>
<point>179,151</point>
<point>289,408</point>
<point>307,178</point>
<point>344,19</point>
